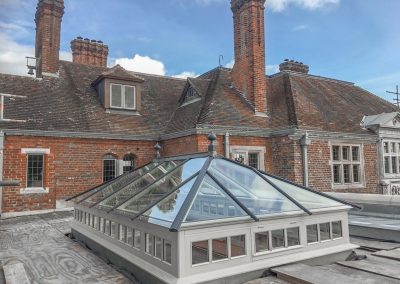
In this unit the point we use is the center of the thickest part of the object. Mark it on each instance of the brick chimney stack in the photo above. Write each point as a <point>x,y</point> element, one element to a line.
<point>248,72</point>
<point>89,52</point>
<point>48,18</point>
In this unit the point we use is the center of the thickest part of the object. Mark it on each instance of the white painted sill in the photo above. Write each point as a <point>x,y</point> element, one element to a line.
<point>34,190</point>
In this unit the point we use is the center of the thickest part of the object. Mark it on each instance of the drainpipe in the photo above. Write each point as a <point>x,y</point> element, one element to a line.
<point>1,167</point>
<point>304,142</point>
<point>226,144</point>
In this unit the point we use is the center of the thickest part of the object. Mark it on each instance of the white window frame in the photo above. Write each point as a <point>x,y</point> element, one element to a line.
<point>391,154</point>
<point>341,162</point>
<point>246,150</point>
<point>35,151</point>
<point>123,102</point>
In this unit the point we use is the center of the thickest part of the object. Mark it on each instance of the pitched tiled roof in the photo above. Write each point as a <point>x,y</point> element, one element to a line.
<point>70,103</point>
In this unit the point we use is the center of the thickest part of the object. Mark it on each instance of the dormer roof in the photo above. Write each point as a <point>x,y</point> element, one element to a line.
<point>120,73</point>
<point>391,119</point>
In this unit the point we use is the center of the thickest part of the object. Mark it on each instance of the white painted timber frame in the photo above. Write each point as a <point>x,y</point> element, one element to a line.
<point>35,190</point>
<point>260,150</point>
<point>343,185</point>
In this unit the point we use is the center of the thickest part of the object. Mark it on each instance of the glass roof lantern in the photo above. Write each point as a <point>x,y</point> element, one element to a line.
<point>204,187</point>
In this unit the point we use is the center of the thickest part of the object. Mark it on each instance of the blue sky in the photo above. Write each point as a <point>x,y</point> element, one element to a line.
<point>352,40</point>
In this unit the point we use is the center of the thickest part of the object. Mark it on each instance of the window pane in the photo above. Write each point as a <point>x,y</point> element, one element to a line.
<point>336,174</point>
<point>393,147</point>
<point>200,252</point>
<point>253,160</point>
<point>239,157</point>
<point>150,244</point>
<point>129,236</point>
<point>394,165</point>
<point>109,169</point>
<point>293,236</point>
<point>312,233</point>
<point>122,233</point>
<point>278,239</point>
<point>238,245</point>
<point>114,229</point>
<point>35,171</point>
<point>337,229</point>
<point>116,95</point>
<point>386,147</point>
<point>128,163</point>
<point>325,231</point>
<point>219,249</point>
<point>262,241</point>
<point>346,173</point>
<point>336,153</point>
<point>101,224</point>
<point>345,153</point>
<point>158,247</point>
<point>355,153</point>
<point>137,239</point>
<point>129,97</point>
<point>356,173</point>
<point>108,227</point>
<point>96,222</point>
<point>387,165</point>
<point>167,252</point>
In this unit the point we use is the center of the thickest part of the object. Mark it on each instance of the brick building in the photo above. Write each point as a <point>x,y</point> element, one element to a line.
<point>80,123</point>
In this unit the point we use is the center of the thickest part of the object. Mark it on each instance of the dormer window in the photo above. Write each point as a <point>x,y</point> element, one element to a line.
<point>119,91</point>
<point>123,96</point>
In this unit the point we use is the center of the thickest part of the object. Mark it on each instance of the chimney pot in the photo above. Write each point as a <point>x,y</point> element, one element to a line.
<point>294,66</point>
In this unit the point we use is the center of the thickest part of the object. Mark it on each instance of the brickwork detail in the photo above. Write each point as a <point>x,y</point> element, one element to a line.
<point>89,52</point>
<point>48,28</point>
<point>248,72</point>
<point>73,165</point>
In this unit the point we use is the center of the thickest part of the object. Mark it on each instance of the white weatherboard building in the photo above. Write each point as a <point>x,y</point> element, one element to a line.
<point>202,218</point>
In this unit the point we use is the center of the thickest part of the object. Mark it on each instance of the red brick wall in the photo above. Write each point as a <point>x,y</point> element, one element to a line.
<point>72,166</point>
<point>320,171</point>
<point>286,159</point>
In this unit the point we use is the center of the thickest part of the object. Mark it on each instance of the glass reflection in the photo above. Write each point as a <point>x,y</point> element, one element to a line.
<point>250,189</point>
<point>306,198</point>
<point>162,187</point>
<point>139,184</point>
<point>109,188</point>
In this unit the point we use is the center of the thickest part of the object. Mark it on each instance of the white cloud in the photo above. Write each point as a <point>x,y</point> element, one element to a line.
<point>300,28</point>
<point>185,75</point>
<point>272,69</point>
<point>12,56</point>
<point>280,5</point>
<point>230,64</point>
<point>143,64</point>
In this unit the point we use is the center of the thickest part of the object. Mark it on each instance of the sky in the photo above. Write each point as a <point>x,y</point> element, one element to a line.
<point>350,40</point>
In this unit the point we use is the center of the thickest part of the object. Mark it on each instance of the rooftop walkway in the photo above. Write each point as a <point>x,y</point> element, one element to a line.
<point>376,262</point>
<point>39,245</point>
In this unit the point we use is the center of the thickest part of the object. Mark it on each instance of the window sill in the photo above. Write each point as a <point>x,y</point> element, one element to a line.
<point>348,186</point>
<point>34,190</point>
<point>123,111</point>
